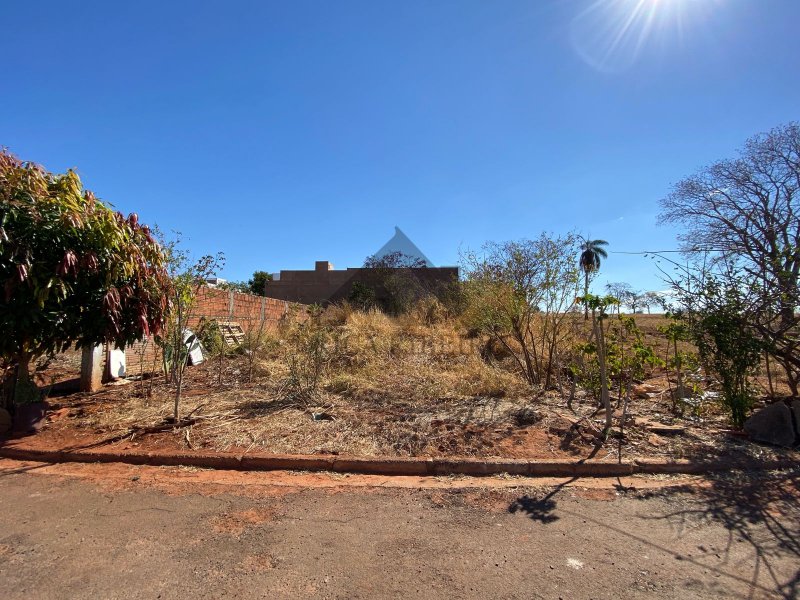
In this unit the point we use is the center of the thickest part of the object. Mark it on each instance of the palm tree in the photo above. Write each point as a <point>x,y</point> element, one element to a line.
<point>591,253</point>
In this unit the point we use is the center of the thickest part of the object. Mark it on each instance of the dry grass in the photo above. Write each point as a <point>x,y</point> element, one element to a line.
<point>389,386</point>
<point>409,385</point>
<point>398,358</point>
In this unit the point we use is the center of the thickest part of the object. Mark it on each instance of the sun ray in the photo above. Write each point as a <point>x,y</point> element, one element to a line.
<point>611,35</point>
<point>623,31</point>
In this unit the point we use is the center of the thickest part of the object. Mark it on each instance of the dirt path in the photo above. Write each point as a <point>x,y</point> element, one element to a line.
<point>120,531</point>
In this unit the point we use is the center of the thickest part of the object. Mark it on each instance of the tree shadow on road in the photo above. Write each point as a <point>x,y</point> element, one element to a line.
<point>539,509</point>
<point>24,469</point>
<point>760,509</point>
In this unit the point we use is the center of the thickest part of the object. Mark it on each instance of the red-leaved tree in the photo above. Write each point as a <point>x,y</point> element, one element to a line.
<point>72,271</point>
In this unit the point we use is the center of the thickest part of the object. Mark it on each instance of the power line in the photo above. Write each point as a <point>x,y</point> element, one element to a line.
<point>643,251</point>
<point>687,251</point>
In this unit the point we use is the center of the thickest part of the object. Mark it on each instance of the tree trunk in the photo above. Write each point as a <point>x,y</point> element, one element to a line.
<point>586,293</point>
<point>178,389</point>
<point>601,358</point>
<point>550,356</point>
<point>531,370</point>
<point>678,367</point>
<point>24,389</point>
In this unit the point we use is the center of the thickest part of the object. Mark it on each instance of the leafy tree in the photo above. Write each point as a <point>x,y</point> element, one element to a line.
<point>676,330</point>
<point>362,296</point>
<point>73,271</point>
<point>741,226</point>
<point>237,286</point>
<point>592,252</point>
<point>634,300</point>
<point>258,283</point>
<point>729,346</point>
<point>391,282</point>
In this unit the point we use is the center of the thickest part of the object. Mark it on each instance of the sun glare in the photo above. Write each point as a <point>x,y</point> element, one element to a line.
<point>610,35</point>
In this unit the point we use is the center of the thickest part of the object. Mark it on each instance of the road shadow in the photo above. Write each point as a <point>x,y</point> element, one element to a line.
<point>760,509</point>
<point>539,509</point>
<point>24,469</point>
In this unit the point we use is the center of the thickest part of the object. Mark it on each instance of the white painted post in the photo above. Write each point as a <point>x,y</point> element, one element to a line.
<point>91,369</point>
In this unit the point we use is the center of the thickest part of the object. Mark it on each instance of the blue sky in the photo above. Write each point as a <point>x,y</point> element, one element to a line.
<point>287,132</point>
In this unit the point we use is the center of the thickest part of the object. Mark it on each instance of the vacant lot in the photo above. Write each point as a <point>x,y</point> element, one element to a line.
<point>397,387</point>
<point>118,531</point>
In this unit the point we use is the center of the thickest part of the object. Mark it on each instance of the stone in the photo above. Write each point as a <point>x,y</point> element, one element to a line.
<point>643,390</point>
<point>772,425</point>
<point>661,429</point>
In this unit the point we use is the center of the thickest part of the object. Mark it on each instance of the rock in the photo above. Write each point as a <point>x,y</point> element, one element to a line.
<point>5,421</point>
<point>667,429</point>
<point>772,425</point>
<point>656,440</point>
<point>643,390</point>
<point>660,428</point>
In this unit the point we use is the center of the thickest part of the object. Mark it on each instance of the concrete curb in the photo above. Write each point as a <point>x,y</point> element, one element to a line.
<point>396,466</point>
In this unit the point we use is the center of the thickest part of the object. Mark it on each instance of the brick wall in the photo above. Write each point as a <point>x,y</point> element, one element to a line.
<point>246,309</point>
<point>142,357</point>
<point>325,285</point>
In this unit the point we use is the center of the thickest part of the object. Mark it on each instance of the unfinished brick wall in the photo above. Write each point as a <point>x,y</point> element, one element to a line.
<point>142,357</point>
<point>221,305</point>
<point>244,308</point>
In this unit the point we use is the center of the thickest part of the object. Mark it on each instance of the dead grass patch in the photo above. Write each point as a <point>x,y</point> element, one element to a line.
<point>388,386</point>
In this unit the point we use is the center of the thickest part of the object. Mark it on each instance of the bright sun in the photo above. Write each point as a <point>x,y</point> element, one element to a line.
<point>611,34</point>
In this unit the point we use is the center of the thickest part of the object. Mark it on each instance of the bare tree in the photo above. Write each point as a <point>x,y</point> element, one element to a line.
<point>522,291</point>
<point>621,291</point>
<point>187,278</point>
<point>742,213</point>
<point>650,299</point>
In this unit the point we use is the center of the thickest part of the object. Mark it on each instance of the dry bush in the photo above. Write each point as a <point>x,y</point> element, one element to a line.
<point>388,385</point>
<point>369,355</point>
<point>408,357</point>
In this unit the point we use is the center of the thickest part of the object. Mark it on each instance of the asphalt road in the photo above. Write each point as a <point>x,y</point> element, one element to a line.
<point>119,531</point>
